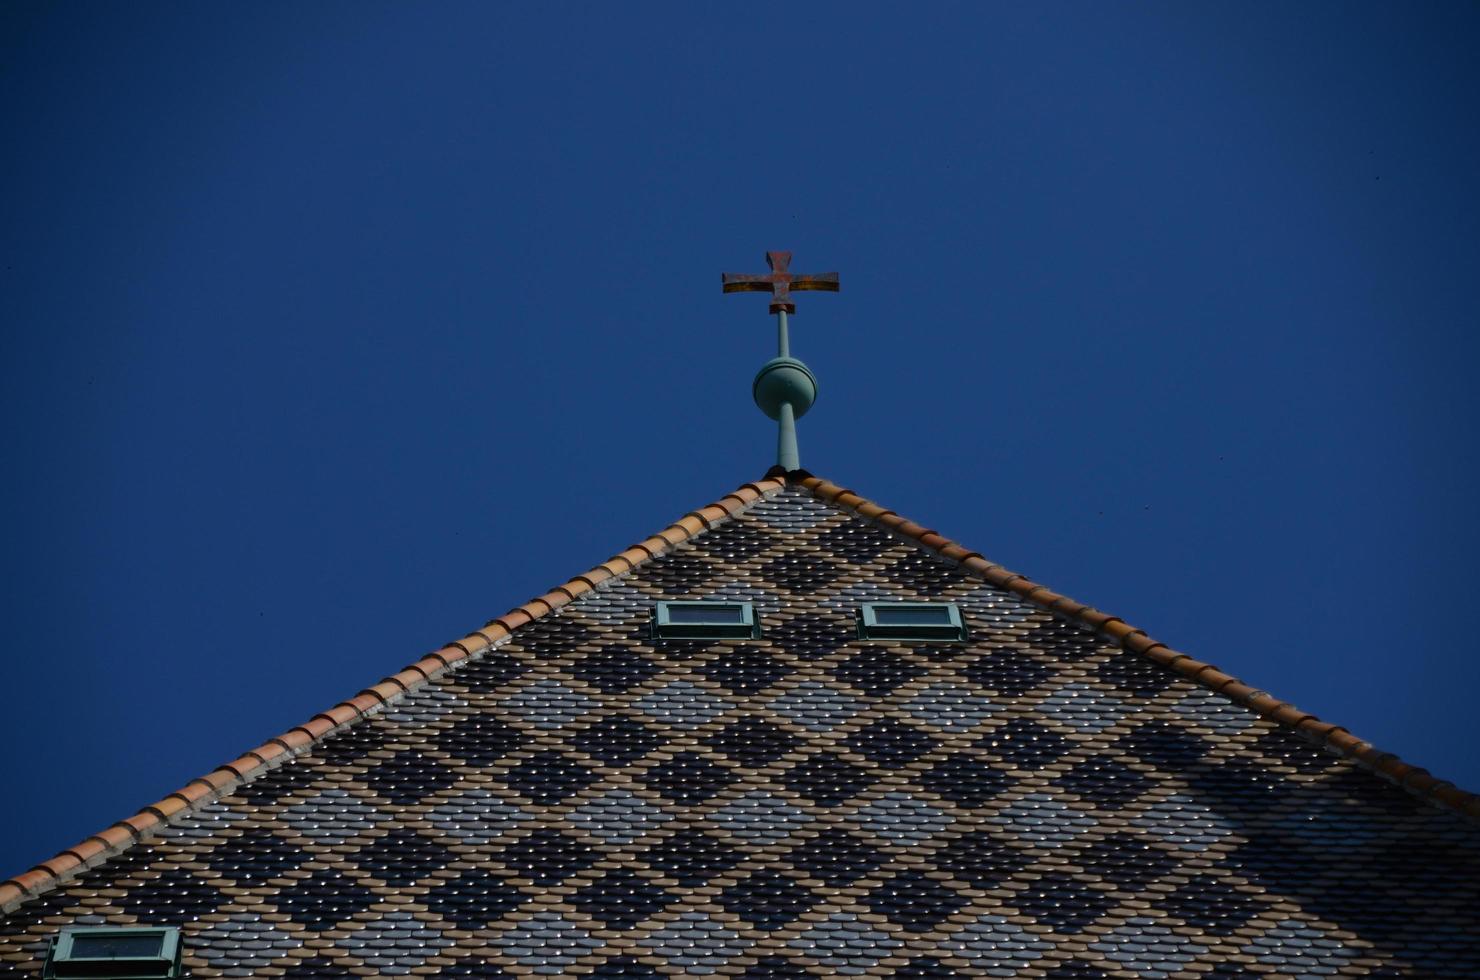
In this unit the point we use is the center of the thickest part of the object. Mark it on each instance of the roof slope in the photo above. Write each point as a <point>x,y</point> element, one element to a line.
<point>571,796</point>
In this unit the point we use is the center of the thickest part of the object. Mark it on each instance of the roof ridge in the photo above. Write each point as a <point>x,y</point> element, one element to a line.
<point>296,741</point>
<point>1415,780</point>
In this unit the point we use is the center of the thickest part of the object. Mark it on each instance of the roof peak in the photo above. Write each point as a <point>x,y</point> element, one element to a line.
<point>300,739</point>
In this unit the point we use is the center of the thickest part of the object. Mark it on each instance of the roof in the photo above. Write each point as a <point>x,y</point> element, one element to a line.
<point>1062,795</point>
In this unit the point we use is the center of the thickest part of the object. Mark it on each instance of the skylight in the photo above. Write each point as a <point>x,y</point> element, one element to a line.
<point>911,621</point>
<point>698,620</point>
<point>114,952</point>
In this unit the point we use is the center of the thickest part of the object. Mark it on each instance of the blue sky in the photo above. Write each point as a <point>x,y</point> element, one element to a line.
<point>332,331</point>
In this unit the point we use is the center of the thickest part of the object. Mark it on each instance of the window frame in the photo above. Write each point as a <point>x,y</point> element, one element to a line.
<point>869,627</point>
<point>664,628</point>
<point>61,961</point>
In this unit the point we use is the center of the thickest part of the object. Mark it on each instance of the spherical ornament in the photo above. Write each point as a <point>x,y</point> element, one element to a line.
<point>782,380</point>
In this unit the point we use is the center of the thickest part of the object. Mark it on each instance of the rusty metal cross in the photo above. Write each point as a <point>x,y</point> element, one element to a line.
<point>780,282</point>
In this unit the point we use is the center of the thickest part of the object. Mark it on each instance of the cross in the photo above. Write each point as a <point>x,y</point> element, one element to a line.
<point>780,282</point>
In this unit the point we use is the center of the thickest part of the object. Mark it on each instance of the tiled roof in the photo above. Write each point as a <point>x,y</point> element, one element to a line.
<point>560,793</point>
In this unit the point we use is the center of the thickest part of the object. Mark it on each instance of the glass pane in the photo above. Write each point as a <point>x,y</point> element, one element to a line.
<point>913,615</point>
<point>120,944</point>
<point>716,613</point>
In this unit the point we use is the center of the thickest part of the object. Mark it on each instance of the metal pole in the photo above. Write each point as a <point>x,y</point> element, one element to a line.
<point>786,439</point>
<point>787,455</point>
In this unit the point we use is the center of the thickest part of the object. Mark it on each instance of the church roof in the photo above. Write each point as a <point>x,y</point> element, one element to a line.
<point>560,793</point>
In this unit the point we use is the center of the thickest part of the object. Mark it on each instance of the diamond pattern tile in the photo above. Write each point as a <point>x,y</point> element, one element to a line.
<point>812,636</point>
<point>827,779</point>
<point>926,575</point>
<point>1135,675</point>
<point>982,860</point>
<point>681,574</point>
<point>547,778</point>
<point>1168,746</point>
<point>257,854</point>
<point>846,941</point>
<point>753,742</point>
<point>688,778</point>
<point>736,541</point>
<point>397,942</point>
<point>950,707</point>
<point>767,900</point>
<point>548,857</point>
<point>409,777</point>
<point>835,857</point>
<point>474,899</point>
<point>477,816</point>
<point>1068,641</point>
<point>692,858</point>
<point>877,672</point>
<point>548,942</point>
<point>547,704</point>
<point>915,902</point>
<point>760,817</point>
<point>489,673</point>
<point>695,940</point>
<point>804,574</point>
<point>324,899</point>
<point>1006,671</point>
<point>1062,903</point>
<point>1211,905</point>
<point>744,670</point>
<point>355,744</point>
<point>889,741</point>
<point>619,817</point>
<point>616,740</point>
<point>403,857</point>
<point>966,780</point>
<point>174,897</point>
<point>587,801</point>
<point>1106,782</point>
<point>480,740</point>
<point>858,543</point>
<point>279,784</point>
<point>1128,862</point>
<point>614,670</point>
<point>621,899</point>
<point>900,819</point>
<point>816,706</point>
<point>244,943</point>
<point>333,817</point>
<point>1025,744</point>
<point>683,705</point>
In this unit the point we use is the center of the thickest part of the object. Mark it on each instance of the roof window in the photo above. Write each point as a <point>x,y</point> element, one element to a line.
<point>910,621</point>
<point>706,620</point>
<point>114,952</point>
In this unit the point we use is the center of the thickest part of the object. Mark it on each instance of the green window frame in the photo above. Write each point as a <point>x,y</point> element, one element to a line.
<point>706,619</point>
<point>938,621</point>
<point>69,952</point>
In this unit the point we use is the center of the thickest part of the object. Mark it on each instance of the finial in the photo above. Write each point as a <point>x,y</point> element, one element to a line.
<point>785,388</point>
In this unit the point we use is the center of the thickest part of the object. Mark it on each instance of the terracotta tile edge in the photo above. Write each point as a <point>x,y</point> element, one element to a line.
<point>300,739</point>
<point>1417,781</point>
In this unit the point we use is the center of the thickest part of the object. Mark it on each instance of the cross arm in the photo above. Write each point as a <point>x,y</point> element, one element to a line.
<point>735,282</point>
<point>821,281</point>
